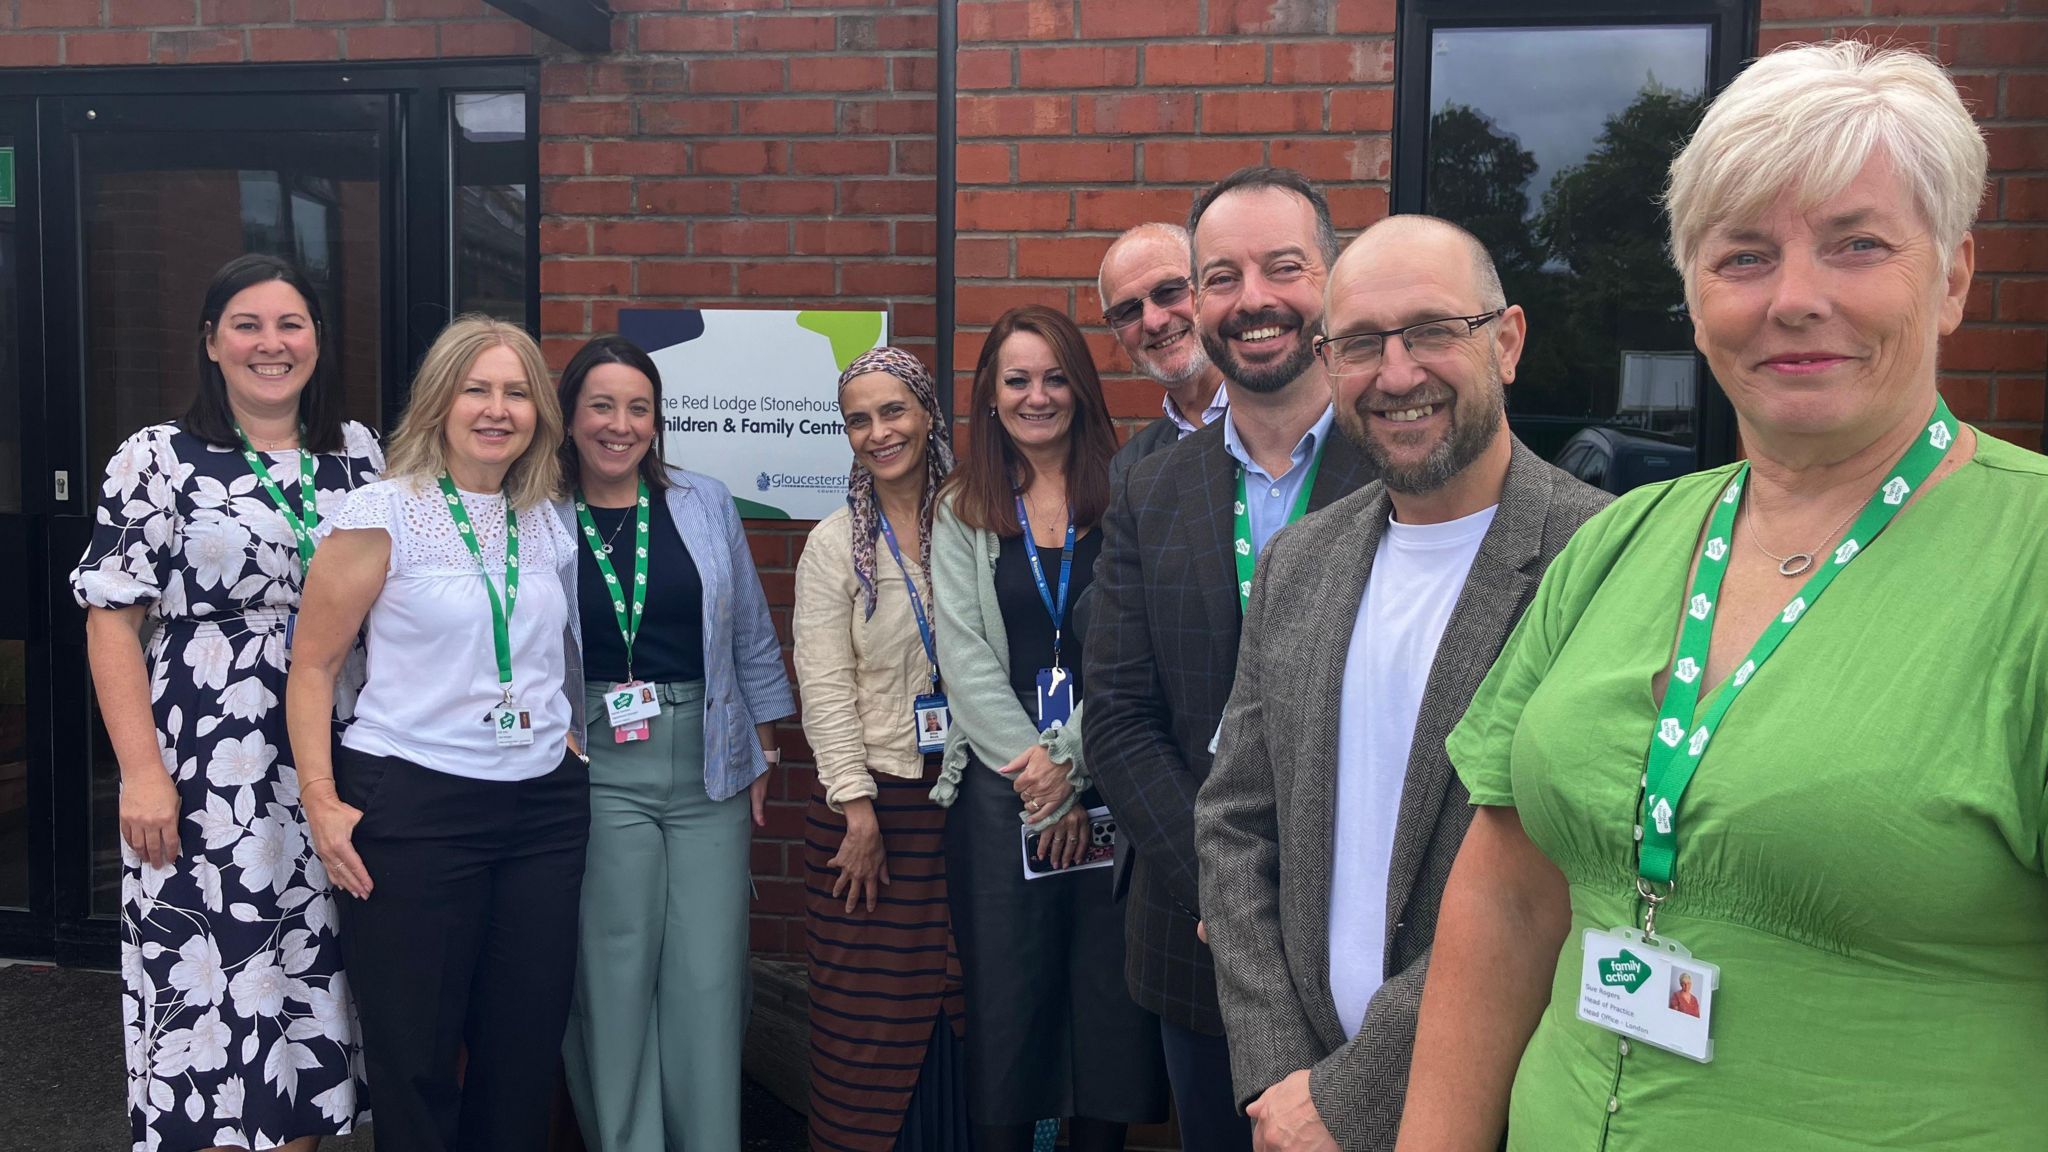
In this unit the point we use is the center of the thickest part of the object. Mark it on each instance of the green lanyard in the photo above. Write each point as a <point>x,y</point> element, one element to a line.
<point>501,610</point>
<point>303,524</point>
<point>629,622</point>
<point>1247,557</point>
<point>1675,747</point>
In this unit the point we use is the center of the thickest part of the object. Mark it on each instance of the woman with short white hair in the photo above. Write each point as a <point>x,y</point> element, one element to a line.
<point>1758,860</point>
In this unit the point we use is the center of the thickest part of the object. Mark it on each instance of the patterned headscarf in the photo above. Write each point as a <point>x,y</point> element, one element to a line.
<point>860,483</point>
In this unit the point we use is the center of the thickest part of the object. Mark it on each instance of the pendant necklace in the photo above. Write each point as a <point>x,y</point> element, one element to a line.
<point>1797,562</point>
<point>615,533</point>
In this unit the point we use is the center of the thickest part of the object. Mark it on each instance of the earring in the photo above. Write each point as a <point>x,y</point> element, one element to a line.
<point>991,409</point>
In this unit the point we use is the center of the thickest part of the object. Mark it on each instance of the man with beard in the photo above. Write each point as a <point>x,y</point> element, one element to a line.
<point>1149,305</point>
<point>1329,822</point>
<point>1178,547</point>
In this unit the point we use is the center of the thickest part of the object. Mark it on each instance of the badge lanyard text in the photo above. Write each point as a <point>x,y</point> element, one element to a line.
<point>1056,609</point>
<point>302,525</point>
<point>629,620</point>
<point>501,610</point>
<point>1247,556</point>
<point>924,626</point>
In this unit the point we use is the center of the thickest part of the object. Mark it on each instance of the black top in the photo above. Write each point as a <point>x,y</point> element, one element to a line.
<point>1024,614</point>
<point>670,643</point>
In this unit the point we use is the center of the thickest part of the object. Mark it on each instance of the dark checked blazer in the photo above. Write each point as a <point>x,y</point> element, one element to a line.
<point>1266,821</point>
<point>1162,649</point>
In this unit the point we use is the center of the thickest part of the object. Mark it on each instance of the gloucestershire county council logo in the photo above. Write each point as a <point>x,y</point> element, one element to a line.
<point>1938,434</point>
<point>1699,742</point>
<point>1717,549</point>
<point>1895,490</point>
<point>1701,606</point>
<point>1244,547</point>
<point>1732,493</point>
<point>762,482</point>
<point>1660,815</point>
<point>1847,551</point>
<point>1795,609</point>
<point>1624,971</point>
<point>1687,670</point>
<point>1743,673</point>
<point>1671,731</point>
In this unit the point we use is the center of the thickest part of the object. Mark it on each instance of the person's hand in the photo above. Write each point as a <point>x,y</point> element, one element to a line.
<point>863,864</point>
<point>332,822</point>
<point>1202,931</point>
<point>1040,783</point>
<point>149,816</point>
<point>1284,1119</point>
<point>1063,844</point>
<point>757,796</point>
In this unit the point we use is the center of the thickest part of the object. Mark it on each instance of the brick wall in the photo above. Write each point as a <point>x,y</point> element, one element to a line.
<point>1995,367</point>
<point>1080,118</point>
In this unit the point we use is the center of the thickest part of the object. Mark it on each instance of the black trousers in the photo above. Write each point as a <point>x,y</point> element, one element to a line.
<point>1199,1067</point>
<point>467,941</point>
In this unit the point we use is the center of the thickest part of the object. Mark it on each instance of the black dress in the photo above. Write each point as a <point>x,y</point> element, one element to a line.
<point>1051,1032</point>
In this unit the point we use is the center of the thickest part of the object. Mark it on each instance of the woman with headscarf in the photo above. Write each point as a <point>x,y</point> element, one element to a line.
<point>886,1007</point>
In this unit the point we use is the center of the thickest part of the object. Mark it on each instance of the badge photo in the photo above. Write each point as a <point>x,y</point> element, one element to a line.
<point>933,720</point>
<point>514,726</point>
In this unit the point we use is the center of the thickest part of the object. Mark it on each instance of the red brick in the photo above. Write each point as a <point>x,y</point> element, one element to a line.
<point>564,78</point>
<point>766,935</point>
<point>764,857</point>
<point>563,158</point>
<point>736,74</point>
<point>917,116</point>
<point>569,117</point>
<point>442,9</point>
<point>585,277</point>
<point>841,238</point>
<point>1786,11</point>
<point>2022,249</point>
<point>683,33</point>
<point>788,117</point>
<point>740,238</point>
<point>564,238</point>
<point>2015,147</point>
<point>638,238</point>
<point>637,157</point>
<point>106,48</point>
<point>216,13</point>
<point>1115,209</point>
<point>887,279</point>
<point>741,157</point>
<point>837,73</point>
<point>1362,110</point>
<point>685,117</point>
<point>982,21</point>
<point>980,68</point>
<point>1204,65</point>
<point>1365,16</point>
<point>2026,95</point>
<point>33,49</point>
<point>294,44</point>
<point>1085,66</point>
<point>2007,44</point>
<point>916,238</point>
<point>2024,436</point>
<point>1060,257</point>
<point>1081,161</point>
<point>781,897</point>
<point>981,257</point>
<point>916,157</point>
<point>2023,300</point>
<point>2026,198</point>
<point>1336,158</point>
<point>1979,91</point>
<point>1268,17</point>
<point>1015,115</point>
<point>495,38</point>
<point>1198,161</point>
<point>684,197</point>
<point>621,77</point>
<point>1884,8</point>
<point>791,279</point>
<point>564,317</point>
<point>1012,211</point>
<point>1969,397</point>
<point>986,303</point>
<point>1334,62</point>
<point>787,34</point>
<point>1973,349</point>
<point>841,157</point>
<point>1139,19</point>
<point>1353,208</point>
<point>1769,40</point>
<point>686,278</point>
<point>1262,113</point>
<point>158,13</point>
<point>914,73</point>
<point>1136,114</point>
<point>889,197</point>
<point>974,163</point>
<point>398,42</point>
<point>59,14</point>
<point>1977,304</point>
<point>586,197</point>
<point>2022,400</point>
<point>787,197</point>
<point>769,551</point>
<point>897,33</point>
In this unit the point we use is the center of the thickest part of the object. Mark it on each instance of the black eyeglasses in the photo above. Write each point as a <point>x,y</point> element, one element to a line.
<point>1429,340</point>
<point>1129,312</point>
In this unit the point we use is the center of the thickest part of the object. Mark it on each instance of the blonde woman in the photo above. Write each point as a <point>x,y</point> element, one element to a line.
<point>455,815</point>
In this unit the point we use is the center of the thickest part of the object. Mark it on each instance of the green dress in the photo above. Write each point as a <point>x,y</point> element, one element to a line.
<point>1861,852</point>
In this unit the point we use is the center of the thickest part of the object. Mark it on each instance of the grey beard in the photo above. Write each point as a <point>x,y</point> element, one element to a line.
<point>1196,363</point>
<point>1468,440</point>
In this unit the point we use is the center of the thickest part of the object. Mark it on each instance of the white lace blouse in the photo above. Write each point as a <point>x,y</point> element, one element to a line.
<point>433,672</point>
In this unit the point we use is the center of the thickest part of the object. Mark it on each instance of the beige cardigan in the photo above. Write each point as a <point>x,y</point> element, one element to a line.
<point>857,676</point>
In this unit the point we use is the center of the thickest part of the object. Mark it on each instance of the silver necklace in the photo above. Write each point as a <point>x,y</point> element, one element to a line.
<point>1797,562</point>
<point>615,533</point>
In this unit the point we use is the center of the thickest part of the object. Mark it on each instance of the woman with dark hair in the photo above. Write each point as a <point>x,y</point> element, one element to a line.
<point>1053,1032</point>
<point>204,530</point>
<point>668,601</point>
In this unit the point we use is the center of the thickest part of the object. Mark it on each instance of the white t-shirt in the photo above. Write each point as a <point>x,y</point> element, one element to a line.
<point>1417,576</point>
<point>433,670</point>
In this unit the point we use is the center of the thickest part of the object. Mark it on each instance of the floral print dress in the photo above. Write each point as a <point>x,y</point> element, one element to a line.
<point>239,1026</point>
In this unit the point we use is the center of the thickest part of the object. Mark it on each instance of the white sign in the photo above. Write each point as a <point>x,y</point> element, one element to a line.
<point>749,396</point>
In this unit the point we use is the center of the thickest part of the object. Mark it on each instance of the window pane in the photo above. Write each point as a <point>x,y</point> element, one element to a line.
<point>491,197</point>
<point>1552,144</point>
<point>13,774</point>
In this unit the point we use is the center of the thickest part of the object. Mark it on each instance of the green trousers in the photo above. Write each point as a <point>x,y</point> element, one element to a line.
<point>653,1047</point>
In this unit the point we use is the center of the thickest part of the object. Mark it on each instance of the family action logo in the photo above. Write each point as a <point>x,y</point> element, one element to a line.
<point>1626,971</point>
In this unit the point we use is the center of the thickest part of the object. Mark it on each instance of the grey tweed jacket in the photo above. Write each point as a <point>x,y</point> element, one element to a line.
<point>1265,820</point>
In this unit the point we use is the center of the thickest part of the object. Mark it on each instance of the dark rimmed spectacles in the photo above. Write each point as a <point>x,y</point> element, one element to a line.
<point>1131,311</point>
<point>1429,340</point>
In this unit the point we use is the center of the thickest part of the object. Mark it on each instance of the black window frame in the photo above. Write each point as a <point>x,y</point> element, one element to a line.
<point>1733,26</point>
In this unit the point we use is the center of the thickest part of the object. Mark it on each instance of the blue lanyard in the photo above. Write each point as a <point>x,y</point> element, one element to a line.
<point>1058,611</point>
<point>924,624</point>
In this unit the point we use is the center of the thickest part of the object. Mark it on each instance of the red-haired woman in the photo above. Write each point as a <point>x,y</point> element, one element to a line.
<point>1051,1031</point>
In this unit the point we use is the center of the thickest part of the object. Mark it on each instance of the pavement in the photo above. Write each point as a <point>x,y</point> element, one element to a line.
<point>61,1073</point>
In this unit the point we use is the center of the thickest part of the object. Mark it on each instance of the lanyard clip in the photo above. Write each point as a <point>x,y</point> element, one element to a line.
<point>1652,898</point>
<point>506,699</point>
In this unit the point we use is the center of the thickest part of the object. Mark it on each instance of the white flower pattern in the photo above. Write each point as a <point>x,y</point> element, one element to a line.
<point>237,1025</point>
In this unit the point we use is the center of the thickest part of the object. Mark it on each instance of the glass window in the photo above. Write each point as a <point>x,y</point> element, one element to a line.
<point>13,774</point>
<point>1551,144</point>
<point>492,194</point>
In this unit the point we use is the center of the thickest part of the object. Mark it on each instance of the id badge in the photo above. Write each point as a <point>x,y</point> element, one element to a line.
<point>632,701</point>
<point>291,626</point>
<point>1055,698</point>
<point>514,726</point>
<point>933,719</point>
<point>1648,989</point>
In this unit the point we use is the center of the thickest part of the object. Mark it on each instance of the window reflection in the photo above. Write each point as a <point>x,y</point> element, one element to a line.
<point>1552,146</point>
<point>491,204</point>
<point>13,774</point>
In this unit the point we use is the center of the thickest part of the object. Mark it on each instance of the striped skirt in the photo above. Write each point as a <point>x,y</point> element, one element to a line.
<point>886,1006</point>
